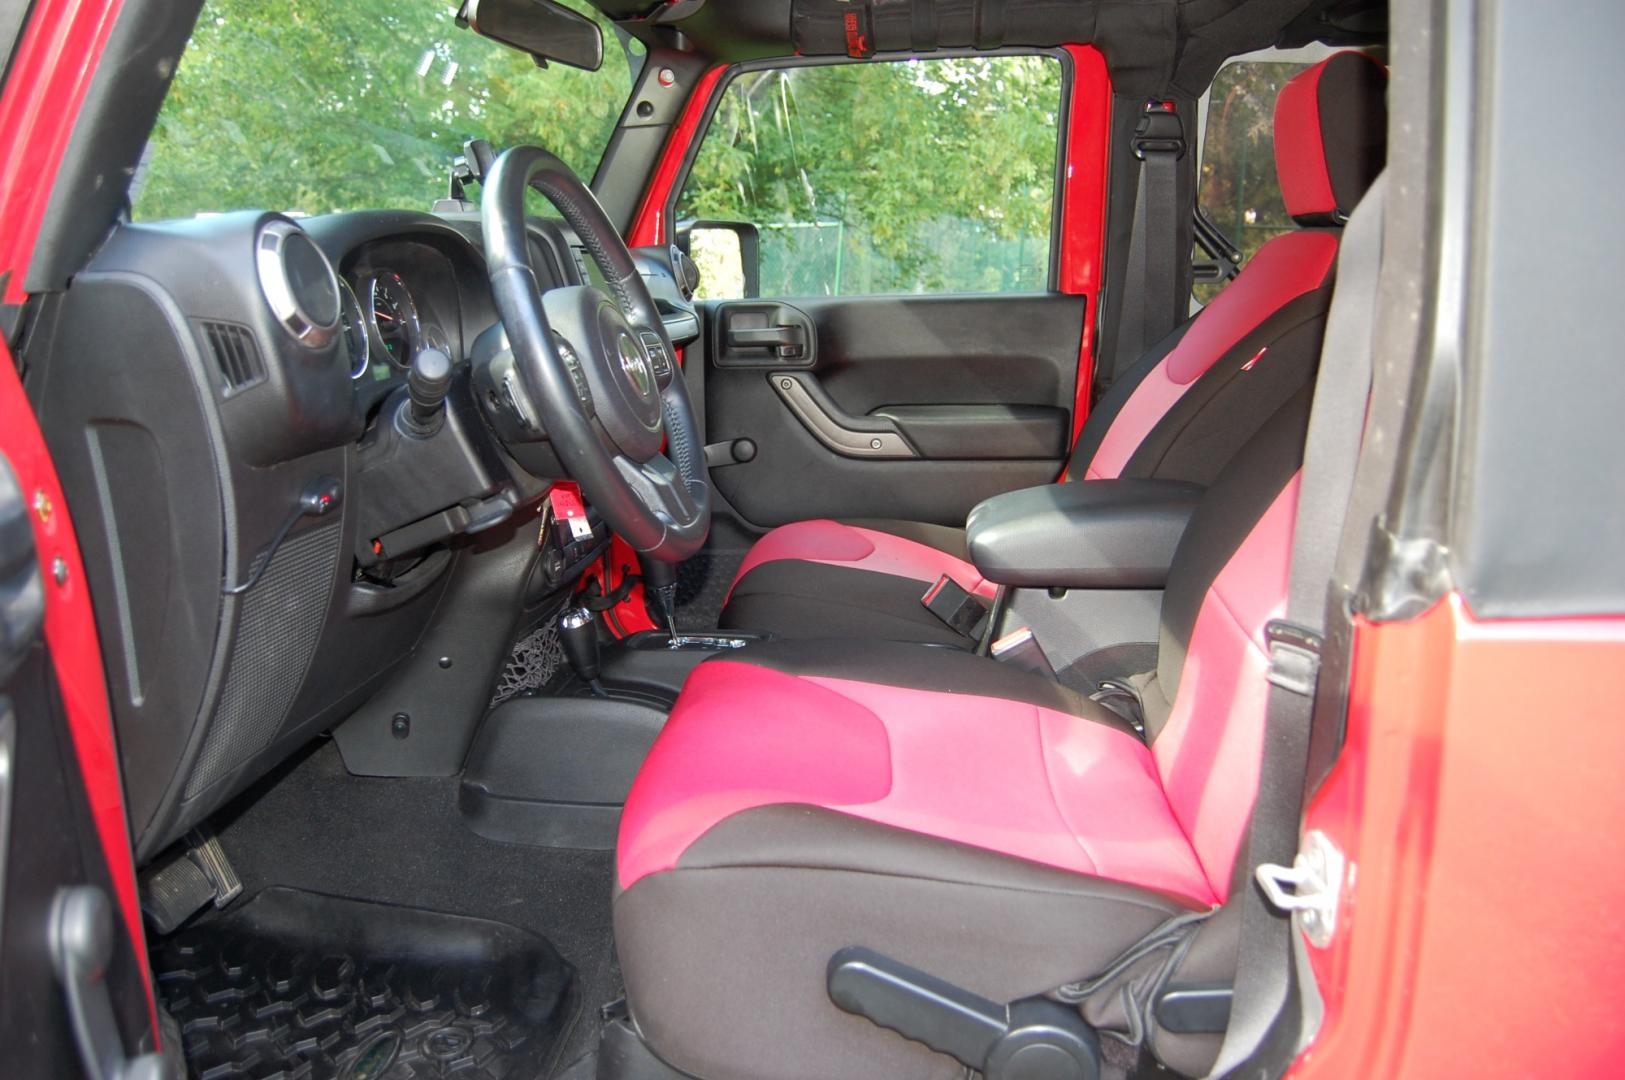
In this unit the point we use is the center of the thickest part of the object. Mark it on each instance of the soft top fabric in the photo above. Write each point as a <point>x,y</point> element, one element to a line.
<point>1331,130</point>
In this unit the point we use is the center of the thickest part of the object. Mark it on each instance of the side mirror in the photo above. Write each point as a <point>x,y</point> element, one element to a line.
<point>545,30</point>
<point>729,255</point>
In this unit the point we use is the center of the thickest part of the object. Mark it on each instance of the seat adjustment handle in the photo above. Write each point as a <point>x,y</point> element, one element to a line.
<point>1034,1039</point>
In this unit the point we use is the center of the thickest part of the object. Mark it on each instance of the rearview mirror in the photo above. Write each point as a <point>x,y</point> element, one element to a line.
<point>729,255</point>
<point>542,28</point>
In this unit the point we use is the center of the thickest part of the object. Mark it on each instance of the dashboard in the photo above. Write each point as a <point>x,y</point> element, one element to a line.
<point>202,378</point>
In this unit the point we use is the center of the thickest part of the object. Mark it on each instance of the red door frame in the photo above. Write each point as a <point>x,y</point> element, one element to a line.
<point>51,71</point>
<point>1478,802</point>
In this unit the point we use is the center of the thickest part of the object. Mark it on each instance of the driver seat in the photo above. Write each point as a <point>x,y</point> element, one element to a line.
<point>978,823</point>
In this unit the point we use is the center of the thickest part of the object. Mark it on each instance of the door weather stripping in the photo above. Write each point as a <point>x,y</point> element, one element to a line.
<point>1316,880</point>
<point>843,434</point>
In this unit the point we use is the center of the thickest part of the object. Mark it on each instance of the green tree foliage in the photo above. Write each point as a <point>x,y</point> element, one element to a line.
<point>320,105</point>
<point>888,177</point>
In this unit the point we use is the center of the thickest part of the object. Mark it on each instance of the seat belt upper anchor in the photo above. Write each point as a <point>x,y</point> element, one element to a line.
<point>1294,656</point>
<point>1159,131</point>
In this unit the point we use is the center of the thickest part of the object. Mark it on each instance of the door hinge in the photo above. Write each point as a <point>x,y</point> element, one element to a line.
<point>1315,879</point>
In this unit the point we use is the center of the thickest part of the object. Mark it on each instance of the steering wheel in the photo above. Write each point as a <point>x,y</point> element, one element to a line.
<point>599,370</point>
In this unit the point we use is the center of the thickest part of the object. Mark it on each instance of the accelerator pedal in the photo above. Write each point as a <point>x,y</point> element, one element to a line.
<point>174,891</point>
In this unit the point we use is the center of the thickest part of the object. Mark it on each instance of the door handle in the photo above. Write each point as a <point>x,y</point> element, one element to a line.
<point>788,342</point>
<point>81,946</point>
<point>849,436</point>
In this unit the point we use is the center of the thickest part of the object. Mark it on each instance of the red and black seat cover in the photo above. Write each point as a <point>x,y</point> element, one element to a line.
<point>1181,413</point>
<point>974,821</point>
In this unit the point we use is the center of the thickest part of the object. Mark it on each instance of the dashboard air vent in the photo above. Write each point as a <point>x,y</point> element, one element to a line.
<point>235,353</point>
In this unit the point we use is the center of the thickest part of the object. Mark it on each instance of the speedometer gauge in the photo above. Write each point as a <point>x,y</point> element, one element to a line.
<point>393,317</point>
<point>353,323</point>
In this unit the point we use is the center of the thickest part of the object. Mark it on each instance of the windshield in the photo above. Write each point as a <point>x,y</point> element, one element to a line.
<point>312,106</point>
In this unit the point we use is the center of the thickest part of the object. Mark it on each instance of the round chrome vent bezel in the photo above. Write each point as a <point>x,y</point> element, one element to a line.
<point>271,263</point>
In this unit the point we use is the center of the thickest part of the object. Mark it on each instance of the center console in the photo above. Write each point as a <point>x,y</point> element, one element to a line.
<point>554,771</point>
<point>1081,568</point>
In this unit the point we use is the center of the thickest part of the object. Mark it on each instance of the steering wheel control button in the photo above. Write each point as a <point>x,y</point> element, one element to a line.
<point>578,378</point>
<point>658,358</point>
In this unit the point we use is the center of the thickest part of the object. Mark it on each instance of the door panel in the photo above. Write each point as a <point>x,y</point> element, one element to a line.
<point>969,396</point>
<point>50,854</point>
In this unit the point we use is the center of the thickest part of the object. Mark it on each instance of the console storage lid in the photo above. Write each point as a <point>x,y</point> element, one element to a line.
<point>1094,534</point>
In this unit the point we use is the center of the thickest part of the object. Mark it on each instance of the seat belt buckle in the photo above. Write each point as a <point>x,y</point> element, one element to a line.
<point>1020,649</point>
<point>955,605</point>
<point>1294,656</point>
<point>1159,131</point>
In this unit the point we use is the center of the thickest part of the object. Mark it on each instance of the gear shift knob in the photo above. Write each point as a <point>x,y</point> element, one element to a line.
<point>578,634</point>
<point>427,385</point>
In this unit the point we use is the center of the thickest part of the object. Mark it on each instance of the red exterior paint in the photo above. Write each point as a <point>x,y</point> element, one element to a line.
<point>650,225</point>
<point>1479,803</point>
<point>1083,205</point>
<point>50,73</point>
<point>835,544</point>
<point>1285,268</point>
<point>1047,786</point>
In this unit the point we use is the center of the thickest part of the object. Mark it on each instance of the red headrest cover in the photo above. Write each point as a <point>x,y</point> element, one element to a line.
<point>1331,129</point>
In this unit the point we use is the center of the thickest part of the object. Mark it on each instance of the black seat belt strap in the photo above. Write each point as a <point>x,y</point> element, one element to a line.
<point>1331,453</point>
<point>1150,309</point>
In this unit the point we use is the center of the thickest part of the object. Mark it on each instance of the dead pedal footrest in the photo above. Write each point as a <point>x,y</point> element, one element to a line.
<point>192,879</point>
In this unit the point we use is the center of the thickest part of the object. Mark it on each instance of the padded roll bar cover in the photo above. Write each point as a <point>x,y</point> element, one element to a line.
<point>1094,534</point>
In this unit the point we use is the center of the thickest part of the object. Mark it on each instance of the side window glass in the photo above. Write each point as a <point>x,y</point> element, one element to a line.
<point>1237,187</point>
<point>920,176</point>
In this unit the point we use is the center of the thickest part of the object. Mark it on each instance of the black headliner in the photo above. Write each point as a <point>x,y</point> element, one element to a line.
<point>1152,46</point>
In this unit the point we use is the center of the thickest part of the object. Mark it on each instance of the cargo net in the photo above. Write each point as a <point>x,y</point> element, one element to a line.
<point>531,665</point>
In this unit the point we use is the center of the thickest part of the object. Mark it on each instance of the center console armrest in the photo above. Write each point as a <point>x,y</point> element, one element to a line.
<point>1090,534</point>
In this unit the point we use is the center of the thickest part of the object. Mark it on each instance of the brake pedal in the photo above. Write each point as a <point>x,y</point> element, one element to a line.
<point>188,882</point>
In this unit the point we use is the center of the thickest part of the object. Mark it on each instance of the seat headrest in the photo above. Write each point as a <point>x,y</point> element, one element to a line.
<point>1331,130</point>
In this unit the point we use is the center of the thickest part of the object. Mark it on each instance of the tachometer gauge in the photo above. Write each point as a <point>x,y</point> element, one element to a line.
<point>353,323</point>
<point>393,317</point>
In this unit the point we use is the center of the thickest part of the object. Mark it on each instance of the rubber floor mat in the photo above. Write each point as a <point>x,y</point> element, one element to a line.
<point>296,984</point>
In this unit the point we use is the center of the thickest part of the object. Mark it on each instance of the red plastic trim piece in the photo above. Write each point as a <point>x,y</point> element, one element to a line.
<point>50,75</point>
<point>1083,205</point>
<point>650,225</point>
<point>632,614</point>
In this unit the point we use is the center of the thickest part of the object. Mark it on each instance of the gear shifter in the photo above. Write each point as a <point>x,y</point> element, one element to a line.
<point>660,583</point>
<point>578,634</point>
<point>427,385</point>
